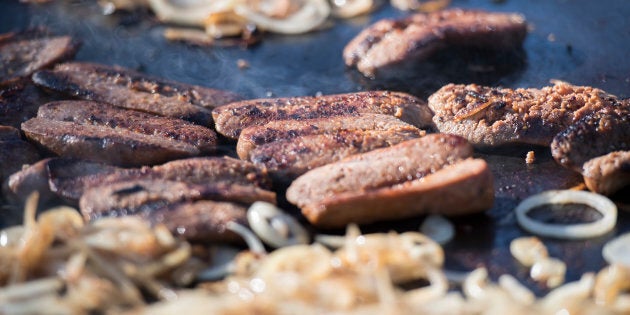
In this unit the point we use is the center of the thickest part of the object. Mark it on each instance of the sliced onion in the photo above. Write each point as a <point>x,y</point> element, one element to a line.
<point>420,5</point>
<point>617,251</point>
<point>568,231</point>
<point>438,228</point>
<point>311,15</point>
<point>351,8</point>
<point>187,13</point>
<point>275,227</point>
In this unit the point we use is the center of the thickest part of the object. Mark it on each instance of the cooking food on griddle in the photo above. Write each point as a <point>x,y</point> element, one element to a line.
<point>101,132</point>
<point>21,54</point>
<point>432,174</point>
<point>14,152</point>
<point>19,103</point>
<point>608,173</point>
<point>133,90</point>
<point>392,44</point>
<point>289,148</point>
<point>490,116</point>
<point>232,118</point>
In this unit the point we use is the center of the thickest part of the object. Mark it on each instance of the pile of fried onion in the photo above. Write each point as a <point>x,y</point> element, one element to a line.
<point>56,263</point>
<point>205,20</point>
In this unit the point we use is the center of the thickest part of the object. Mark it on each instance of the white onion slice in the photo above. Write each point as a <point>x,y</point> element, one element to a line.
<point>351,8</point>
<point>438,228</point>
<point>275,227</point>
<point>191,13</point>
<point>617,251</point>
<point>310,16</point>
<point>568,231</point>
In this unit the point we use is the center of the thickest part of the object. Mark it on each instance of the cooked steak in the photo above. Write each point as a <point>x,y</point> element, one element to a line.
<point>14,152</point>
<point>232,118</point>
<point>19,103</point>
<point>71,178</point>
<point>390,43</point>
<point>285,160</point>
<point>489,116</point>
<point>254,136</point>
<point>133,90</point>
<point>202,220</point>
<point>100,132</point>
<point>407,179</point>
<point>55,177</point>
<point>593,135</point>
<point>23,54</point>
<point>140,197</point>
<point>609,173</point>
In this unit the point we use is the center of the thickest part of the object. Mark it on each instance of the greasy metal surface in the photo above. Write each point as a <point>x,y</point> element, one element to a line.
<point>581,41</point>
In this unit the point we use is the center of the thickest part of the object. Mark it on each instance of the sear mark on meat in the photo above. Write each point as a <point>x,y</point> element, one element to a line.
<point>400,181</point>
<point>490,117</point>
<point>608,173</point>
<point>141,197</point>
<point>390,43</point>
<point>231,119</point>
<point>21,54</point>
<point>285,160</point>
<point>593,135</point>
<point>104,133</point>
<point>133,90</point>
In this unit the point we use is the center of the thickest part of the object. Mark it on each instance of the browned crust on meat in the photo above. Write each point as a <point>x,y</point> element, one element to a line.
<point>607,174</point>
<point>283,130</point>
<point>143,196</point>
<point>126,88</point>
<point>389,42</point>
<point>20,57</point>
<point>104,133</point>
<point>489,116</point>
<point>232,118</point>
<point>462,188</point>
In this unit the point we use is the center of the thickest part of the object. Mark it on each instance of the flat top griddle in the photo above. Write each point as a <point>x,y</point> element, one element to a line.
<point>580,41</point>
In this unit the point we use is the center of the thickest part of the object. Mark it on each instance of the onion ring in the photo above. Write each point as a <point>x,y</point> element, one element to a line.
<point>310,16</point>
<point>617,251</point>
<point>275,227</point>
<point>573,231</point>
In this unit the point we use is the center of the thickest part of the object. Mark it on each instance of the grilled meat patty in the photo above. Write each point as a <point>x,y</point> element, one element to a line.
<point>285,160</point>
<point>14,152</point>
<point>133,90</point>
<point>391,43</point>
<point>100,132</point>
<point>279,130</point>
<point>23,54</point>
<point>19,103</point>
<point>489,116</point>
<point>400,181</point>
<point>140,197</point>
<point>608,173</point>
<point>231,119</point>
<point>593,135</point>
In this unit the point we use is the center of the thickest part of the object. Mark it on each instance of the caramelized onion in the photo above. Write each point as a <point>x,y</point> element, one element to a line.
<point>568,231</point>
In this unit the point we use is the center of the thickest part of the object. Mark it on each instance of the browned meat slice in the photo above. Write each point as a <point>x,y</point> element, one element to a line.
<point>254,136</point>
<point>426,175</point>
<point>21,55</point>
<point>232,118</point>
<point>133,90</point>
<point>287,159</point>
<point>593,135</point>
<point>19,103</point>
<point>100,132</point>
<point>140,197</point>
<point>489,116</point>
<point>609,173</point>
<point>203,220</point>
<point>14,152</point>
<point>52,178</point>
<point>71,178</point>
<point>391,43</point>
